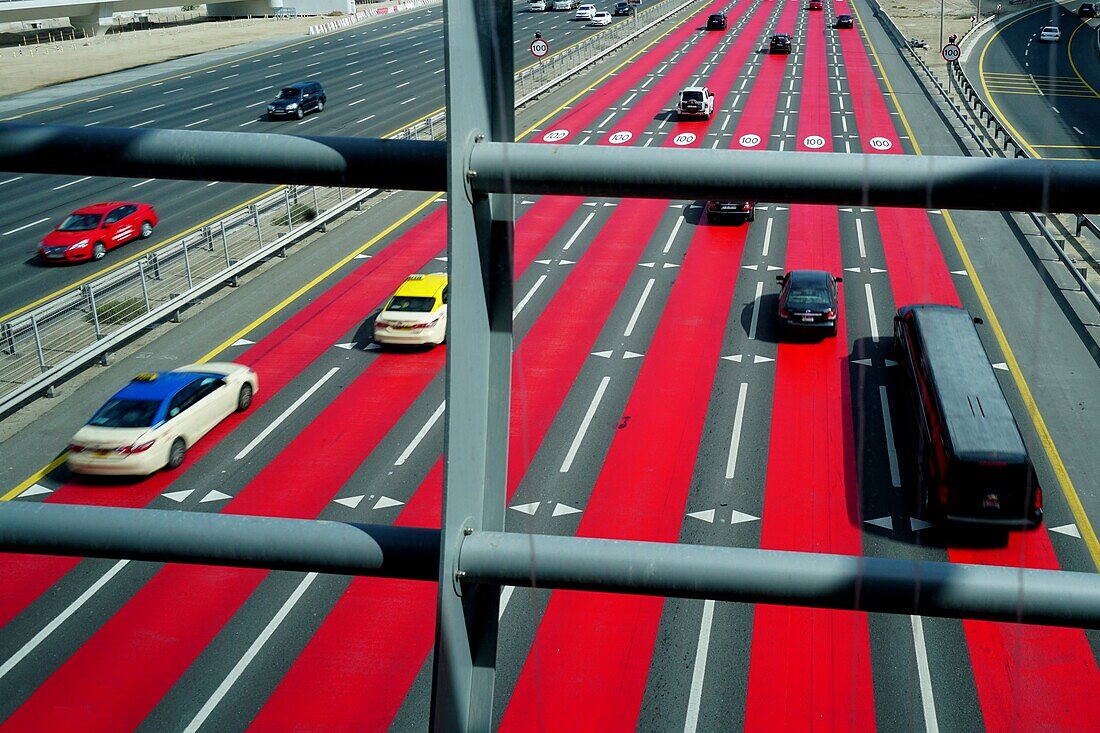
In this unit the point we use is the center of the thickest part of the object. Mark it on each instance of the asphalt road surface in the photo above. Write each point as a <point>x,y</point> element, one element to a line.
<point>651,399</point>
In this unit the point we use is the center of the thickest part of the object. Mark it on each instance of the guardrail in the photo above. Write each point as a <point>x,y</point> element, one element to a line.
<point>989,120</point>
<point>42,347</point>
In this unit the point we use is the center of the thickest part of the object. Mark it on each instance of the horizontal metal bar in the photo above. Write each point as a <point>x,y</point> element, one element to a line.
<point>1056,598</point>
<point>842,582</point>
<point>220,539</point>
<point>925,181</point>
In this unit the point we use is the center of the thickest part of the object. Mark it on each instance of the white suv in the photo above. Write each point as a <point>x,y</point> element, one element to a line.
<point>585,12</point>
<point>536,6</point>
<point>695,102</point>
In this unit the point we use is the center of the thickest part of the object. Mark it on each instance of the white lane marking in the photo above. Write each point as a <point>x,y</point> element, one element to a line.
<point>11,180</point>
<point>931,723</point>
<point>219,89</point>
<point>358,101</point>
<point>1077,130</point>
<point>530,293</point>
<point>354,86</point>
<point>859,238</point>
<point>197,122</point>
<point>767,238</point>
<point>606,120</point>
<point>100,109</point>
<point>147,122</point>
<point>871,312</point>
<point>505,596</point>
<point>891,451</point>
<point>420,435</point>
<point>286,413</point>
<point>638,308</point>
<point>142,183</point>
<point>368,117</point>
<point>246,124</point>
<point>61,618</point>
<point>155,106</point>
<point>755,311</point>
<point>173,91</point>
<point>578,232</point>
<point>254,104</point>
<point>735,440</point>
<point>71,183</point>
<point>25,226</point>
<point>700,671</point>
<point>410,99</point>
<point>672,236</point>
<point>202,106</point>
<point>576,444</point>
<point>253,650</point>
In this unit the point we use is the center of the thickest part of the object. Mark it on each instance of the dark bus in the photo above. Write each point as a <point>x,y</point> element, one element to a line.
<point>971,461</point>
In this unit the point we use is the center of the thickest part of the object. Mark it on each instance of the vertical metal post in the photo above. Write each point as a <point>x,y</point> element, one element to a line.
<point>144,286</point>
<point>38,344</point>
<point>186,264</point>
<point>289,215</point>
<point>480,96</point>
<point>7,333</point>
<point>225,246</point>
<point>95,316</point>
<point>256,223</point>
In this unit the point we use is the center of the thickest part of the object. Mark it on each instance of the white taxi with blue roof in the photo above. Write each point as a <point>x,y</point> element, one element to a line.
<point>417,312</point>
<point>152,421</point>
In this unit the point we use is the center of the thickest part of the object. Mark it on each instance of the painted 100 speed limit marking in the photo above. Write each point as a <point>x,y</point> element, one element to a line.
<point>621,137</point>
<point>684,138</point>
<point>880,143</point>
<point>814,142</point>
<point>555,135</point>
<point>749,141</point>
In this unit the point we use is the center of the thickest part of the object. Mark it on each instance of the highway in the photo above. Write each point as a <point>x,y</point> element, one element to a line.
<point>651,399</point>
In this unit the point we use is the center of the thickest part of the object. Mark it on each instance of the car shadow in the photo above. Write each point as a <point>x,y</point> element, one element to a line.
<point>765,308</point>
<point>665,115</point>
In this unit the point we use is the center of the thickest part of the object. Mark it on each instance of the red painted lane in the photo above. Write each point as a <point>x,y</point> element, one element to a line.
<point>357,669</point>
<point>1028,678</point>
<point>277,358</point>
<point>759,110</point>
<point>117,677</point>
<point>810,669</point>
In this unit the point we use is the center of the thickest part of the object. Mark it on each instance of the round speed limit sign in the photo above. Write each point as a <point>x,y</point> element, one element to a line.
<point>951,52</point>
<point>539,48</point>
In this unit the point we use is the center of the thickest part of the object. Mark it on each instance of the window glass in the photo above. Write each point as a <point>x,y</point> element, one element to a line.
<point>126,414</point>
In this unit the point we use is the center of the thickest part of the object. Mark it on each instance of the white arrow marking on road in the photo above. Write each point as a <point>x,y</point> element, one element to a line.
<point>243,342</point>
<point>706,516</point>
<point>346,347</point>
<point>733,357</point>
<point>1001,365</point>
<point>527,201</point>
<point>891,362</point>
<point>862,362</point>
<point>749,267</point>
<point>608,203</point>
<point>441,259</point>
<point>884,522</point>
<point>740,517</point>
<point>602,354</point>
<point>761,359</point>
<point>773,267</point>
<point>214,495</point>
<point>385,502</point>
<point>646,264</point>
<point>851,269</point>
<point>566,262</point>
<point>668,265</point>
<point>845,209</point>
<point>372,347</point>
<point>960,272</point>
<point>1070,530</point>
<point>362,257</point>
<point>179,496</point>
<point>527,508</point>
<point>632,355</point>
<point>543,262</point>
<point>350,501</point>
<point>562,509</point>
<point>35,490</point>
<point>876,270</point>
<point>918,524</point>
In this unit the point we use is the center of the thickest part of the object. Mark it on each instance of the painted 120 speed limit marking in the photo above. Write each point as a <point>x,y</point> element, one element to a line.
<point>684,138</point>
<point>555,135</point>
<point>621,137</point>
<point>814,141</point>
<point>749,141</point>
<point>880,143</point>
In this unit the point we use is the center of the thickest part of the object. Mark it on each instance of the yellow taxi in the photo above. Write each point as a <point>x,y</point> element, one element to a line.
<point>417,312</point>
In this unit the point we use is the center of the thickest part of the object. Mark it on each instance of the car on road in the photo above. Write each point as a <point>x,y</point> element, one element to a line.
<point>585,12</point>
<point>780,43</point>
<point>695,102</point>
<point>623,8</point>
<point>816,5</point>
<point>808,302</point>
<point>564,4</point>
<point>601,17</point>
<point>717,22</point>
<point>88,233</point>
<point>536,6</point>
<point>297,99</point>
<point>720,210</point>
<point>151,422</point>
<point>1086,10</point>
<point>417,312</point>
<point>1050,34</point>
<point>845,21</point>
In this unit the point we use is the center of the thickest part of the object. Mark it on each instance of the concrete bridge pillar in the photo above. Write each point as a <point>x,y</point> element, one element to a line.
<point>96,19</point>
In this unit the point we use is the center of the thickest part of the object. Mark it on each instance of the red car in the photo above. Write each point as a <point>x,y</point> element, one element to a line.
<point>815,4</point>
<point>87,234</point>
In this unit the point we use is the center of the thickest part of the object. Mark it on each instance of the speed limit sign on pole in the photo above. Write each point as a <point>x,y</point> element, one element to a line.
<point>951,53</point>
<point>539,48</point>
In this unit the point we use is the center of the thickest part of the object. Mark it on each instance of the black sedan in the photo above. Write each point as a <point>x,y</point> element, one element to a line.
<point>718,211</point>
<point>844,21</point>
<point>808,302</point>
<point>623,8</point>
<point>716,22</point>
<point>780,43</point>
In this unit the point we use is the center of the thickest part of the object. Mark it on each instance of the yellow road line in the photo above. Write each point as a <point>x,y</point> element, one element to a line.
<point>1065,483</point>
<point>35,477</point>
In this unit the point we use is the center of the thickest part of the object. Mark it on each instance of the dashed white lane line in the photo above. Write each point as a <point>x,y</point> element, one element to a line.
<point>871,312</point>
<point>61,618</point>
<point>286,413</point>
<point>202,106</point>
<point>147,122</point>
<point>859,238</point>
<point>891,450</point>
<point>421,434</point>
<point>253,650</point>
<point>767,238</point>
<point>25,226</point>
<point>155,106</point>
<point>672,235</point>
<point>142,183</point>
<point>755,311</point>
<point>931,723</point>
<point>197,122</point>
<point>638,308</point>
<point>11,180</point>
<point>700,671</point>
<point>735,439</point>
<point>71,183</point>
<point>530,293</point>
<point>100,109</point>
<point>588,415</point>
<point>578,232</point>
